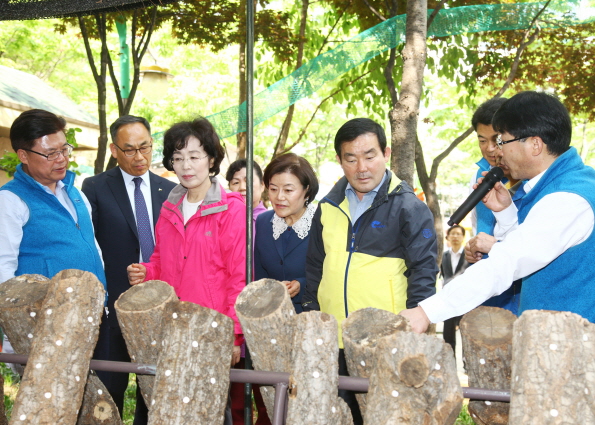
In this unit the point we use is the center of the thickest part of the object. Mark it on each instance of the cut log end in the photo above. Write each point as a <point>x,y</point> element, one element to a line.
<point>491,325</point>
<point>144,296</point>
<point>260,298</point>
<point>414,370</point>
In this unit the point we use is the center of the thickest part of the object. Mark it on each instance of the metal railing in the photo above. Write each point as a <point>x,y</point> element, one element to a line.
<point>279,380</point>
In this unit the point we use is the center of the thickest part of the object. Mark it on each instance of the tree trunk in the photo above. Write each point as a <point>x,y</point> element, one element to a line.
<point>20,303</point>
<point>266,314</point>
<point>487,354</point>
<point>284,133</point>
<point>414,381</point>
<point>362,331</point>
<point>314,378</point>
<point>66,333</point>
<point>553,369</point>
<point>403,116</point>
<point>140,315</point>
<point>192,380</point>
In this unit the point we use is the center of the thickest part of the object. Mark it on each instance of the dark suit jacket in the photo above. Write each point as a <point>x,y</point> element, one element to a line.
<point>270,260</point>
<point>115,227</point>
<point>446,268</point>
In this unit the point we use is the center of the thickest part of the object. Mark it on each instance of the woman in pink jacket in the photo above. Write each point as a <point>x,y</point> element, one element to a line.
<point>200,237</point>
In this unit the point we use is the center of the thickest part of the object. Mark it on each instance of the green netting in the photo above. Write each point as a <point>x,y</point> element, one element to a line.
<point>370,43</point>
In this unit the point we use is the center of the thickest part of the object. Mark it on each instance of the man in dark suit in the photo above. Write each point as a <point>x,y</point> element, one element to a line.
<point>126,202</point>
<point>453,264</point>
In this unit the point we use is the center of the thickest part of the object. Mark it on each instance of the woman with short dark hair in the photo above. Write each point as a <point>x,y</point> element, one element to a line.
<point>201,232</point>
<point>282,235</point>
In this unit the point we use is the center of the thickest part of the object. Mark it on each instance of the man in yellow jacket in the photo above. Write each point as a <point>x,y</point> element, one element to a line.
<point>372,241</point>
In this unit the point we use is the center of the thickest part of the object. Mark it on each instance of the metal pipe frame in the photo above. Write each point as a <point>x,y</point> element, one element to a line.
<point>280,380</point>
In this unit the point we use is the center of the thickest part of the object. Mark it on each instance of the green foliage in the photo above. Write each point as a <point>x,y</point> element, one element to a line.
<point>464,417</point>
<point>11,386</point>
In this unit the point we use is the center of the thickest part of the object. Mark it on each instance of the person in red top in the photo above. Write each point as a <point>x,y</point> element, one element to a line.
<point>200,237</point>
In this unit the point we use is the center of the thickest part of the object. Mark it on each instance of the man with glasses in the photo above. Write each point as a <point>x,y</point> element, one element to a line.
<point>126,202</point>
<point>45,222</point>
<point>548,240</point>
<point>483,221</point>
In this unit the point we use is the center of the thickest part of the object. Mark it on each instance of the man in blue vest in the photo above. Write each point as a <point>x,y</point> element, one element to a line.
<point>482,219</point>
<point>45,222</point>
<point>548,240</point>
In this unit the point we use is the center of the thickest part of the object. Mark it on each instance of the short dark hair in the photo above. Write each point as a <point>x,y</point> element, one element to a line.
<point>237,165</point>
<point>124,120</point>
<point>532,113</point>
<point>176,138</point>
<point>32,125</point>
<point>354,128</point>
<point>299,167</point>
<point>456,226</point>
<point>485,112</point>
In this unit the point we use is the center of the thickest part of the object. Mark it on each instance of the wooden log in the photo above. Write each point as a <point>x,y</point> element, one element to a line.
<point>21,299</point>
<point>314,379</point>
<point>140,314</point>
<point>51,390</point>
<point>3,420</point>
<point>486,333</point>
<point>192,380</point>
<point>266,314</point>
<point>553,369</point>
<point>414,381</point>
<point>361,332</point>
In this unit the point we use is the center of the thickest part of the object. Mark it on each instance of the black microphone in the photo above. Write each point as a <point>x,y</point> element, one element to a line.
<point>491,178</point>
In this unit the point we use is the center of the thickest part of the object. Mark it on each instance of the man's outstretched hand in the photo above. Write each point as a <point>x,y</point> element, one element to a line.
<point>417,319</point>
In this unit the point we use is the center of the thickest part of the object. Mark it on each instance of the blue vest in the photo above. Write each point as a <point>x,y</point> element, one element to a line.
<point>568,282</point>
<point>52,241</point>
<point>486,222</point>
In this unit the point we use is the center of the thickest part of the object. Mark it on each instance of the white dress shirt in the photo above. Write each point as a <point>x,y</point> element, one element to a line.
<point>14,214</point>
<point>557,222</point>
<point>455,256</point>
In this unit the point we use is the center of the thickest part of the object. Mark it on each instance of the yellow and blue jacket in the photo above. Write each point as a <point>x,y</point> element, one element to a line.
<point>386,259</point>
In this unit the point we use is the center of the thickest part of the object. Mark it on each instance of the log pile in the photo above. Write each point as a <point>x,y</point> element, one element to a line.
<point>66,332</point>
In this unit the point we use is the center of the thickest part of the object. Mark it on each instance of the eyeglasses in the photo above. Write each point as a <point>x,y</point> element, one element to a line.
<point>65,152</point>
<point>132,152</point>
<point>178,160</point>
<point>500,142</point>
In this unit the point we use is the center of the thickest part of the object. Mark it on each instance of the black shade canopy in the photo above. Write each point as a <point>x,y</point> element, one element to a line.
<point>38,9</point>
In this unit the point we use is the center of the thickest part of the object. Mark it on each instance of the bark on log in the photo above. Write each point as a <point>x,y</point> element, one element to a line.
<point>192,380</point>
<point>140,312</point>
<point>266,314</point>
<point>361,332</point>
<point>51,390</point>
<point>414,382</point>
<point>486,333</point>
<point>3,420</point>
<point>553,369</point>
<point>314,379</point>
<point>21,299</point>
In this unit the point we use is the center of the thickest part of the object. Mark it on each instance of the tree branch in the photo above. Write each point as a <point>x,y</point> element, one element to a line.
<point>374,11</point>
<point>434,13</point>
<point>90,57</point>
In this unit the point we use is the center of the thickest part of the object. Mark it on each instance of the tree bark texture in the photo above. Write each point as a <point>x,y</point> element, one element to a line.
<point>3,420</point>
<point>192,380</point>
<point>414,381</point>
<point>553,369</point>
<point>21,299</point>
<point>52,388</point>
<point>403,116</point>
<point>314,378</point>
<point>362,331</point>
<point>140,315</point>
<point>487,355</point>
<point>266,314</point>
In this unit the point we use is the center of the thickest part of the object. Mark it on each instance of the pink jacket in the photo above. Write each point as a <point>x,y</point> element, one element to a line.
<point>204,261</point>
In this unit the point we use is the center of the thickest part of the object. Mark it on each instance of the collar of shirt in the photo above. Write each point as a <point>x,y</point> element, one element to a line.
<point>460,251</point>
<point>530,184</point>
<point>128,178</point>
<point>356,206</point>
